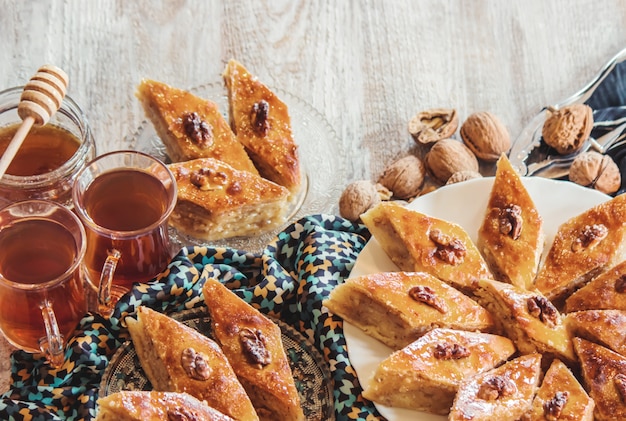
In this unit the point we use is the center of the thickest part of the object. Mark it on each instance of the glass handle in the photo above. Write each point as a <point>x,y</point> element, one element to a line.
<point>106,303</point>
<point>52,343</point>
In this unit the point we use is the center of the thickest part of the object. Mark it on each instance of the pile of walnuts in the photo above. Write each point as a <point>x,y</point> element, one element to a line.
<point>483,138</point>
<point>566,130</point>
<point>447,160</point>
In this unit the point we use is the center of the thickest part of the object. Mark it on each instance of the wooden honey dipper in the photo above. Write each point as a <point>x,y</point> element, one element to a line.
<point>41,98</point>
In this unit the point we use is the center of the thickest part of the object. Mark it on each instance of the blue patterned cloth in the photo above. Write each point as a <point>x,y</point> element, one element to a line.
<point>288,280</point>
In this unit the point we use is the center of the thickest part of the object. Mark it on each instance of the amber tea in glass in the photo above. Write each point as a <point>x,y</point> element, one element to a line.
<point>124,200</point>
<point>127,200</point>
<point>42,296</point>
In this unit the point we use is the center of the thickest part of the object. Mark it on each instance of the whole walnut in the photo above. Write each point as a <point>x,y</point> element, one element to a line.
<point>595,170</point>
<point>358,197</point>
<point>486,136</point>
<point>404,177</point>
<point>448,156</point>
<point>567,128</point>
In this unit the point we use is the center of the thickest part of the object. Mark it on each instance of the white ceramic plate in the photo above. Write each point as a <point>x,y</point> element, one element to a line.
<point>465,204</point>
<point>320,155</point>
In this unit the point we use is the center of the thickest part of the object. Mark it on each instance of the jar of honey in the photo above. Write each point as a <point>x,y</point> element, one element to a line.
<point>47,162</point>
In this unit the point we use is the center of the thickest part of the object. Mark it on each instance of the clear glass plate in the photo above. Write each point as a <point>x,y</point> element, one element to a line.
<point>309,369</point>
<point>320,154</point>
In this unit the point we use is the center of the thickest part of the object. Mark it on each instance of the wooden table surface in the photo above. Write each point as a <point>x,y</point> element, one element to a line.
<point>367,66</point>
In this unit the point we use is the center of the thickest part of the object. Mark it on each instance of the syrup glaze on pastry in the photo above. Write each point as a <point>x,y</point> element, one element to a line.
<point>191,127</point>
<point>504,393</point>
<point>605,327</point>
<point>425,375</point>
<point>262,124</point>
<point>418,242</point>
<point>398,307</point>
<point>511,235</point>
<point>217,201</point>
<point>606,291</point>
<point>604,375</point>
<point>561,397</point>
<point>584,246</point>
<point>253,345</point>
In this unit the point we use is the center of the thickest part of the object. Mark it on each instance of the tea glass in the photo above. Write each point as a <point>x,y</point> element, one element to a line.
<point>124,200</point>
<point>42,294</point>
<point>56,184</point>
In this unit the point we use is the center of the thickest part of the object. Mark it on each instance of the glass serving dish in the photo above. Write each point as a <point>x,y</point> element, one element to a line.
<point>321,158</point>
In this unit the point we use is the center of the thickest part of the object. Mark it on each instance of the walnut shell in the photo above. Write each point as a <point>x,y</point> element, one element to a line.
<point>404,177</point>
<point>486,136</point>
<point>432,125</point>
<point>566,129</point>
<point>447,157</point>
<point>460,176</point>
<point>358,197</point>
<point>592,169</point>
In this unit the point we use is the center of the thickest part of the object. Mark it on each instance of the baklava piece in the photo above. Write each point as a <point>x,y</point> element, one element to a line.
<point>584,246</point>
<point>561,397</point>
<point>605,327</point>
<point>155,406</point>
<point>604,376</point>
<point>398,307</point>
<point>511,235</point>
<point>531,321</point>
<point>177,358</point>
<point>425,375</point>
<point>504,393</point>
<point>420,243</point>
<point>216,201</point>
<point>262,124</point>
<point>191,127</point>
<point>253,345</point>
<point>606,291</point>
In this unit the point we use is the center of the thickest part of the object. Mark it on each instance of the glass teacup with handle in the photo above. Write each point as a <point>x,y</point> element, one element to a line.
<point>124,200</point>
<point>42,294</point>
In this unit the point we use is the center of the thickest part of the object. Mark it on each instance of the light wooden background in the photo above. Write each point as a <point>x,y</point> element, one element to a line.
<point>367,66</point>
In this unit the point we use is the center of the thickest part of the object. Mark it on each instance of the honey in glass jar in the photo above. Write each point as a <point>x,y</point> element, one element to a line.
<point>44,149</point>
<point>46,164</point>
